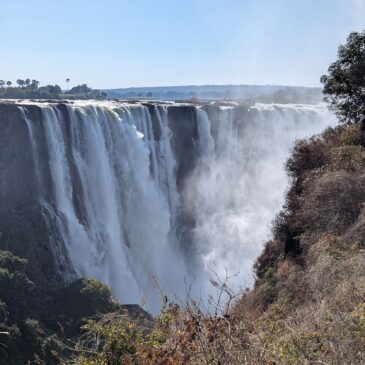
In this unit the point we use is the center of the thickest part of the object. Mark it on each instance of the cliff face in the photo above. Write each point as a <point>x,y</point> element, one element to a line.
<point>16,161</point>
<point>26,227</point>
<point>184,129</point>
<point>29,222</point>
<point>122,192</point>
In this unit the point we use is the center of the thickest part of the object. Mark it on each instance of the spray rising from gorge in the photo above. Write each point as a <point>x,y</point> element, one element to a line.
<point>135,194</point>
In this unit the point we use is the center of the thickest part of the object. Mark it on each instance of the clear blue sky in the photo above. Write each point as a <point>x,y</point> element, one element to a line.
<point>122,43</point>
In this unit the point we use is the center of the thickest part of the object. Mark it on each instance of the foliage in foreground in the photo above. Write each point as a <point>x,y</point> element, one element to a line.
<point>38,327</point>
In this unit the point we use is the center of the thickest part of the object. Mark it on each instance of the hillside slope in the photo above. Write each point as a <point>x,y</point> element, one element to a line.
<point>311,276</point>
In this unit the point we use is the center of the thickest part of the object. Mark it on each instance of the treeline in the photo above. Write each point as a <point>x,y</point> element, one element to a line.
<point>84,92</point>
<point>31,89</point>
<point>28,89</point>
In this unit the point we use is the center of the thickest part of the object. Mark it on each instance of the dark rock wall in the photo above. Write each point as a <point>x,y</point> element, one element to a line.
<point>183,126</point>
<point>27,228</point>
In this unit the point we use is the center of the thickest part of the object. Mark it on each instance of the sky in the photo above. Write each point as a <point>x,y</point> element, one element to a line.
<point>125,43</point>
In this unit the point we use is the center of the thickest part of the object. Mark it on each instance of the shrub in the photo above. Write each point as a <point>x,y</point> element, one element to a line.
<point>12,263</point>
<point>347,157</point>
<point>16,290</point>
<point>268,259</point>
<point>351,135</point>
<point>332,202</point>
<point>113,339</point>
<point>307,155</point>
<point>84,298</point>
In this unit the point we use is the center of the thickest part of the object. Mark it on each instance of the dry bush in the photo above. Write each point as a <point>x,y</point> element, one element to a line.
<point>273,251</point>
<point>332,201</point>
<point>356,233</point>
<point>286,268</point>
<point>335,146</point>
<point>326,330</point>
<point>349,158</point>
<point>350,135</point>
<point>307,155</point>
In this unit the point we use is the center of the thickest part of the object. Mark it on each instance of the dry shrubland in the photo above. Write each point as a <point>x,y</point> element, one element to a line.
<point>308,302</point>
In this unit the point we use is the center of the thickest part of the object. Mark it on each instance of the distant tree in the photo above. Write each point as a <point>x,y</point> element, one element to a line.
<point>68,83</point>
<point>81,89</point>
<point>344,85</point>
<point>2,83</point>
<point>27,82</point>
<point>34,84</point>
<point>20,82</point>
<point>54,90</point>
<point>9,83</point>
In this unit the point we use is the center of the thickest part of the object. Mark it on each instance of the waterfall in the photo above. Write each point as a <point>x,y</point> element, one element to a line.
<point>114,193</point>
<point>235,192</point>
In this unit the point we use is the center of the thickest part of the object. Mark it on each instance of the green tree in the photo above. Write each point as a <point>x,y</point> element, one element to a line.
<point>34,84</point>
<point>55,89</point>
<point>27,82</point>
<point>20,82</point>
<point>81,89</point>
<point>16,290</point>
<point>344,85</point>
<point>2,83</point>
<point>68,83</point>
<point>9,83</point>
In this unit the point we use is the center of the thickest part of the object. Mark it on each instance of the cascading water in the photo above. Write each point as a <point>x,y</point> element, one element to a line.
<point>121,211</point>
<point>238,187</point>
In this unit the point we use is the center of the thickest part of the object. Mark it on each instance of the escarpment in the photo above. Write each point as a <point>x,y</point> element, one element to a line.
<point>318,241</point>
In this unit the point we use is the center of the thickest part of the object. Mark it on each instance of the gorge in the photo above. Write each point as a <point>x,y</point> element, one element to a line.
<point>145,196</point>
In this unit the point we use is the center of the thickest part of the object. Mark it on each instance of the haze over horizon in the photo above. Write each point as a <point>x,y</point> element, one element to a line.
<point>119,44</point>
